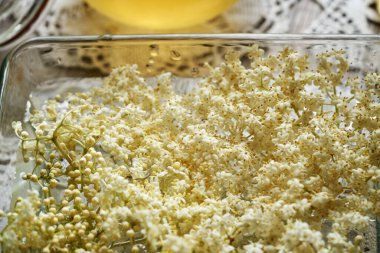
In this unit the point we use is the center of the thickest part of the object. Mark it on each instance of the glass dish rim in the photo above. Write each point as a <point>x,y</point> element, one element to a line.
<point>5,65</point>
<point>15,31</point>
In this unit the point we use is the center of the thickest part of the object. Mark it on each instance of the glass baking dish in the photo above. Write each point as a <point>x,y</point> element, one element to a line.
<point>44,67</point>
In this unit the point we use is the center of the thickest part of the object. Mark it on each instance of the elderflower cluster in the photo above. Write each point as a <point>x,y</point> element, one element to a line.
<point>252,160</point>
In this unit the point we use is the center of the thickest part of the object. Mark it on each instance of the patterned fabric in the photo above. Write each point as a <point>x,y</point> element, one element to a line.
<point>74,17</point>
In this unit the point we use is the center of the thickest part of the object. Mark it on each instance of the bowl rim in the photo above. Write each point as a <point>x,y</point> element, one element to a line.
<point>233,37</point>
<point>33,16</point>
<point>189,37</point>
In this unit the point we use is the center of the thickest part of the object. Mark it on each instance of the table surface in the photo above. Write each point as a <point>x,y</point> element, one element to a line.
<point>75,17</point>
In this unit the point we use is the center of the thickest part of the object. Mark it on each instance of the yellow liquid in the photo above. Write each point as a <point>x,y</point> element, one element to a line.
<point>161,14</point>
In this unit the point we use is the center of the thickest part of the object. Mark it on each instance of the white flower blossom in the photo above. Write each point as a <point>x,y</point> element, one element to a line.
<point>254,159</point>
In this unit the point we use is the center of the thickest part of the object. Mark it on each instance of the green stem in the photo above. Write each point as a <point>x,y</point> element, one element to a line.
<point>295,111</point>
<point>118,244</point>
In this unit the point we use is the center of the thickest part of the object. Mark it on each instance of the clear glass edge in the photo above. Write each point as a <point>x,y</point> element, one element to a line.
<point>33,14</point>
<point>4,67</point>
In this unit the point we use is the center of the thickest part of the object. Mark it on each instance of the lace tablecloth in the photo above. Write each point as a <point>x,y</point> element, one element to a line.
<point>74,17</point>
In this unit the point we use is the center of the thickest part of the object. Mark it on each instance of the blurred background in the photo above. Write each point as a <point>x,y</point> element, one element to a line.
<point>21,19</point>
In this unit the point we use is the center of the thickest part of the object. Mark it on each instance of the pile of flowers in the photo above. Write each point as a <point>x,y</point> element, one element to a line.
<point>253,159</point>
